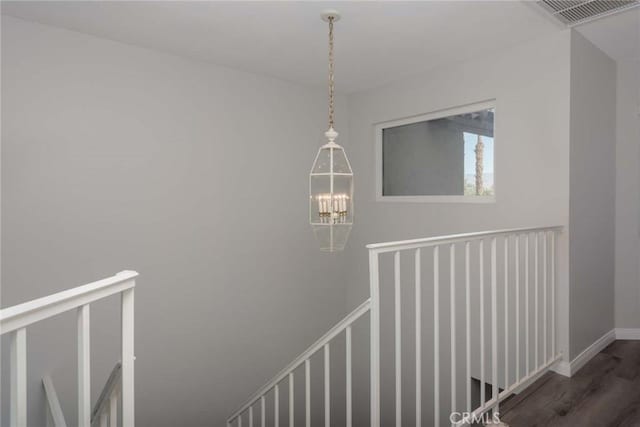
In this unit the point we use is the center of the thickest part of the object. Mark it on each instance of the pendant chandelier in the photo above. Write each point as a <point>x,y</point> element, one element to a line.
<point>331,178</point>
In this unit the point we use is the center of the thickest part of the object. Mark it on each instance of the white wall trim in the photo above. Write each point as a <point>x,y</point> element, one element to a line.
<point>628,333</point>
<point>563,368</point>
<point>569,369</point>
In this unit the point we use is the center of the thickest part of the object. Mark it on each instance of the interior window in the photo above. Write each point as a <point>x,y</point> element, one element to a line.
<point>451,155</point>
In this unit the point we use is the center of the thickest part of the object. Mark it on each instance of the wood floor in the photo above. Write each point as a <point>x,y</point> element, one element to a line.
<point>604,393</point>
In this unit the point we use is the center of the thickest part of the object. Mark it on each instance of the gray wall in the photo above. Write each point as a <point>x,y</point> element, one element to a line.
<point>116,157</point>
<point>592,200</point>
<point>531,161</point>
<point>628,195</point>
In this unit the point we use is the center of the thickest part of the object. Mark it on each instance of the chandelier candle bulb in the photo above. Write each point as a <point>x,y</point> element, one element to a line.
<point>336,203</point>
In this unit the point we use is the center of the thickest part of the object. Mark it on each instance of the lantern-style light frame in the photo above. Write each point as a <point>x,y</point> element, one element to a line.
<point>331,178</point>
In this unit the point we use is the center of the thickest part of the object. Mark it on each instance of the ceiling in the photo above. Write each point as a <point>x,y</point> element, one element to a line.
<point>376,42</point>
<point>617,35</point>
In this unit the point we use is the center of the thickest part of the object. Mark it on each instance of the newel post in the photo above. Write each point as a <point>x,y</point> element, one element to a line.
<point>128,358</point>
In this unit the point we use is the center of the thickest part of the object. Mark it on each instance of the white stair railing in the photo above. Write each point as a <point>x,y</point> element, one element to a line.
<point>538,346</point>
<point>247,412</point>
<point>519,351</point>
<point>15,320</point>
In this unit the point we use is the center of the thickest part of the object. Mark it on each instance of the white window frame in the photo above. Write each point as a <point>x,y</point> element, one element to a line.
<point>439,114</point>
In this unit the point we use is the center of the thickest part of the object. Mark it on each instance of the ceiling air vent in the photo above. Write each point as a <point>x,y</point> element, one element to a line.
<point>574,12</point>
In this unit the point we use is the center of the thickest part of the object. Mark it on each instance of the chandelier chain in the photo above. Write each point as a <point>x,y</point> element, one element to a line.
<point>331,84</point>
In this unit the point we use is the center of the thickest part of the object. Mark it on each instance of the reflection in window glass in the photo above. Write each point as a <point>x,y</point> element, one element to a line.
<point>445,156</point>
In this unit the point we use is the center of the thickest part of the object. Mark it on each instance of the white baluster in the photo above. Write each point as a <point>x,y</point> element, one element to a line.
<point>553,294</point>
<point>349,386</point>
<point>398,338</point>
<point>526,302</point>
<point>128,358</point>
<point>84,367</point>
<point>452,308</point>
<point>263,411</point>
<point>506,312</point>
<point>436,336</point>
<point>418,297</point>
<point>467,287</point>
<point>307,392</point>
<point>536,309</point>
<point>18,397</point>
<point>276,406</point>
<point>113,410</point>
<point>374,294</point>
<point>517,282</point>
<point>544,298</point>
<point>55,418</point>
<point>327,386</point>
<point>494,321</point>
<point>250,416</point>
<point>483,397</point>
<point>291,399</point>
<point>103,419</point>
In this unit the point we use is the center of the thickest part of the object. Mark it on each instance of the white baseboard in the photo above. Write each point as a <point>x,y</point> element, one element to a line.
<point>570,368</point>
<point>628,333</point>
<point>563,368</point>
